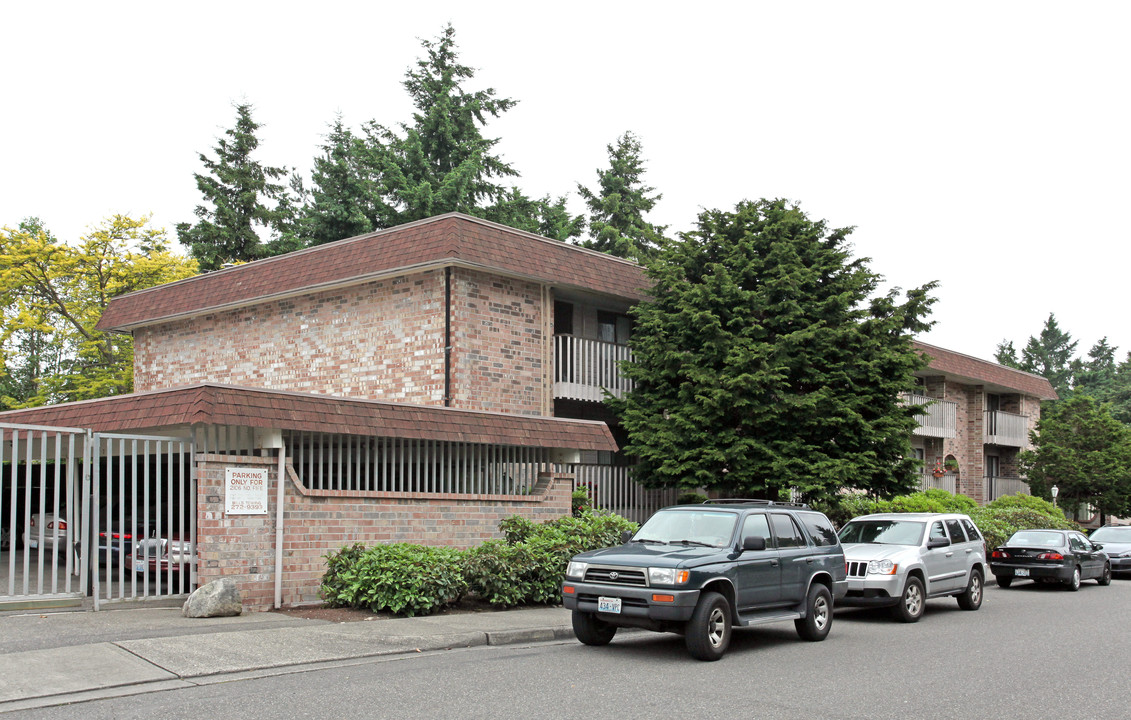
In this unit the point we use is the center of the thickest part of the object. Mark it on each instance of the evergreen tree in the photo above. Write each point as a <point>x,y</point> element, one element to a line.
<point>1049,355</point>
<point>240,200</point>
<point>545,217</point>
<point>617,208</point>
<point>1097,375</point>
<point>441,163</point>
<point>762,362</point>
<point>1085,452</point>
<point>341,195</point>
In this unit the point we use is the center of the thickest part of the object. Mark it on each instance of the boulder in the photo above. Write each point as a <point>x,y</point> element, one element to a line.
<point>219,598</point>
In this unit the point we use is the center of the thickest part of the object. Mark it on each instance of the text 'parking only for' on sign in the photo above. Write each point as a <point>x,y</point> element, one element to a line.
<point>245,491</point>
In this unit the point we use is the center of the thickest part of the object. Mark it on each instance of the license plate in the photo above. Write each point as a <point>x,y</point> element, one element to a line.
<point>1021,573</point>
<point>608,605</point>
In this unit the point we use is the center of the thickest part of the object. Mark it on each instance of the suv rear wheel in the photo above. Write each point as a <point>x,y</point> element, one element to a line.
<point>910,606</point>
<point>818,614</point>
<point>972,598</point>
<point>591,630</point>
<point>708,630</point>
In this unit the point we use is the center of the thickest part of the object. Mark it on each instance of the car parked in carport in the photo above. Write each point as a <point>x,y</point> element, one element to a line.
<point>1054,556</point>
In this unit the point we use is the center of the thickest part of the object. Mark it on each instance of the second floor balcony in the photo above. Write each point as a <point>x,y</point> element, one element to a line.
<point>939,419</point>
<point>1002,428</point>
<point>585,368</point>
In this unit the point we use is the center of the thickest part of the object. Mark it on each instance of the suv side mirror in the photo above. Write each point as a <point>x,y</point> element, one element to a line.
<point>625,536</point>
<point>937,543</point>
<point>754,542</point>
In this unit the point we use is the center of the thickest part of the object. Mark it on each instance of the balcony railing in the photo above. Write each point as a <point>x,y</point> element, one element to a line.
<point>584,368</point>
<point>940,419</point>
<point>1002,428</point>
<point>612,488</point>
<point>947,481</point>
<point>1000,486</point>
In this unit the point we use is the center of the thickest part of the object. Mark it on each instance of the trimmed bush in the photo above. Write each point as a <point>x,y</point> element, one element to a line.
<point>400,578</point>
<point>579,501</point>
<point>691,498</point>
<point>998,523</point>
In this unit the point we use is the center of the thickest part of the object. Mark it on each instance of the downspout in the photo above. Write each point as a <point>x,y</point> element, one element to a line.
<point>279,497</point>
<point>448,336</point>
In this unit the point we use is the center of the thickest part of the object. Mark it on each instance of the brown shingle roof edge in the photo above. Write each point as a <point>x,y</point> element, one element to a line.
<point>213,404</point>
<point>985,372</point>
<point>453,239</point>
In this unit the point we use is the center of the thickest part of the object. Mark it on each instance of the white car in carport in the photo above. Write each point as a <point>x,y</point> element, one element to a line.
<point>900,560</point>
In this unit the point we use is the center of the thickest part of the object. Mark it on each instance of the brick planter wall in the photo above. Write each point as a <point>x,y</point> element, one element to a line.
<point>319,521</point>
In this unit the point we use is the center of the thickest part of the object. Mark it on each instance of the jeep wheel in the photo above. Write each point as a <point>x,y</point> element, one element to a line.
<point>708,631</point>
<point>591,630</point>
<point>972,598</point>
<point>1004,581</point>
<point>1074,583</point>
<point>910,606</point>
<point>818,614</point>
<point>1105,578</point>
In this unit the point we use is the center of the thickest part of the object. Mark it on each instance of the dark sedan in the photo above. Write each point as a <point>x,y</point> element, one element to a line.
<point>1064,556</point>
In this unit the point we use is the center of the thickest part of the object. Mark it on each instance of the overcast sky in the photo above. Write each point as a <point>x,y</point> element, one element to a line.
<point>981,144</point>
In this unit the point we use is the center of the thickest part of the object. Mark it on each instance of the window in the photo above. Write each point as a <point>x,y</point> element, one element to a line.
<point>563,318</point>
<point>757,526</point>
<point>1078,543</point>
<point>971,530</point>
<point>613,327</point>
<point>956,533</point>
<point>937,531</point>
<point>787,532</point>
<point>820,529</point>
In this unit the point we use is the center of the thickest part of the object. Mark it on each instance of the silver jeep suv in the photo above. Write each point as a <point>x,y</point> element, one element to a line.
<point>902,559</point>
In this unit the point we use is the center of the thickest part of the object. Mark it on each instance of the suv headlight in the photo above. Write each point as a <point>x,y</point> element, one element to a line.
<point>667,576</point>
<point>882,567</point>
<point>576,570</point>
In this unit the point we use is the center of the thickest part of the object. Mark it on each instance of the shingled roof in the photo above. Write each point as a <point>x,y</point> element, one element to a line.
<point>983,372</point>
<point>212,404</point>
<point>444,240</point>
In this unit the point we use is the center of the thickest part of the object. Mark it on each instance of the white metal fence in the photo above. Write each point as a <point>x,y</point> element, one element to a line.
<point>382,464</point>
<point>612,488</point>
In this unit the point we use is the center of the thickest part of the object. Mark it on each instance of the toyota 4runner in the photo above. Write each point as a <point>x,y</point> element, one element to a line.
<point>702,569</point>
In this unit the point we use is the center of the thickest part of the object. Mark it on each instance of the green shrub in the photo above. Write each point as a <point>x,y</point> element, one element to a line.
<point>691,498</point>
<point>845,507</point>
<point>934,501</point>
<point>402,578</point>
<point>517,528</point>
<point>998,523</point>
<point>1026,501</point>
<point>579,501</point>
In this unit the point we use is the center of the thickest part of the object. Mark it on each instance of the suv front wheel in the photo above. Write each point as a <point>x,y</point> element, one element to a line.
<point>591,630</point>
<point>708,630</point>
<point>910,606</point>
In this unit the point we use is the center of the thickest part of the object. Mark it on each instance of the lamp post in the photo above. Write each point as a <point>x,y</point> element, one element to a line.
<point>1055,492</point>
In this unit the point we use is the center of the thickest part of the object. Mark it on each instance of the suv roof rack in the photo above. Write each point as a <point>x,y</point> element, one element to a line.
<point>750,501</point>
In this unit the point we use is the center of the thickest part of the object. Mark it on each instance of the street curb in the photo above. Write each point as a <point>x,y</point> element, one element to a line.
<point>511,637</point>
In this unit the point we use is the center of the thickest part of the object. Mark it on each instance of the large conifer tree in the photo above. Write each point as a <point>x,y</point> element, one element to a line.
<point>240,200</point>
<point>762,362</point>
<point>618,205</point>
<point>341,197</point>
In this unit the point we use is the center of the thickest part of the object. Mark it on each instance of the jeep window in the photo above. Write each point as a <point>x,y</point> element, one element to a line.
<point>820,529</point>
<point>701,527</point>
<point>971,530</point>
<point>937,531</point>
<point>956,534</point>
<point>884,532</point>
<point>788,534</point>
<point>757,526</point>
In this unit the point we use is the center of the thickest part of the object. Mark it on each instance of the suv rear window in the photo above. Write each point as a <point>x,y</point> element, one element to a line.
<point>971,530</point>
<point>956,533</point>
<point>820,529</point>
<point>788,534</point>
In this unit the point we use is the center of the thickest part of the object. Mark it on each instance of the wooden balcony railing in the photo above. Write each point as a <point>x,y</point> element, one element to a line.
<point>584,368</point>
<point>940,419</point>
<point>1002,428</point>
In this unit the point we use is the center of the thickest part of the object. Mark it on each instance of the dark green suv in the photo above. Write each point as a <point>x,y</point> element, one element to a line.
<point>700,570</point>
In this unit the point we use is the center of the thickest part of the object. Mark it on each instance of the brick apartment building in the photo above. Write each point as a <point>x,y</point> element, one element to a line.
<point>414,384</point>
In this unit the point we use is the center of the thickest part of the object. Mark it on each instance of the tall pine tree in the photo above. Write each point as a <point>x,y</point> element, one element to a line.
<point>762,362</point>
<point>241,199</point>
<point>618,205</point>
<point>442,162</point>
<point>1049,355</point>
<point>341,196</point>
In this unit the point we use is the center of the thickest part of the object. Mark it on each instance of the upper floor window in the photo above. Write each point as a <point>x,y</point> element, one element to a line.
<point>613,327</point>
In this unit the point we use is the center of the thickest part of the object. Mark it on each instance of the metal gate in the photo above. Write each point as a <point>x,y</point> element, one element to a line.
<point>101,515</point>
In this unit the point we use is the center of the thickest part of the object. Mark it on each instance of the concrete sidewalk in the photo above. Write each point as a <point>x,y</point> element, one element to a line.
<point>57,657</point>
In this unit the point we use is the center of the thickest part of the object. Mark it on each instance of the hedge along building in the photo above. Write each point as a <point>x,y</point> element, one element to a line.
<point>399,383</point>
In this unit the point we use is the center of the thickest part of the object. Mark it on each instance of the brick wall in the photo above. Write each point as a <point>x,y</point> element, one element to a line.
<point>500,348</point>
<point>315,522</point>
<point>378,340</point>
